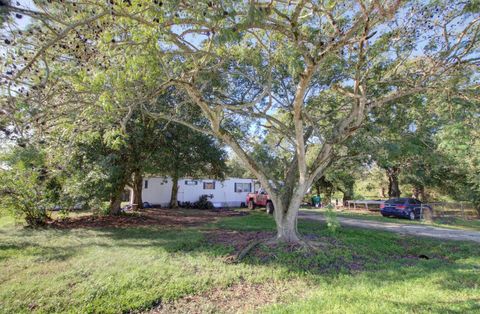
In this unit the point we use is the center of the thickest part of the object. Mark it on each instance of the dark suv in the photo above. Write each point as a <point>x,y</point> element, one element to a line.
<point>403,207</point>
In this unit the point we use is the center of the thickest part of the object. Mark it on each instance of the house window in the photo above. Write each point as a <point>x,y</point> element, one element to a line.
<point>146,184</point>
<point>243,187</point>
<point>209,185</point>
<point>189,182</point>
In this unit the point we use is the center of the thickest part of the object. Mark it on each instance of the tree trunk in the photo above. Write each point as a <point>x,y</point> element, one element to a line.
<point>328,196</point>
<point>286,224</point>
<point>347,195</point>
<point>287,231</point>
<point>137,189</point>
<point>286,215</point>
<point>115,203</point>
<point>173,197</point>
<point>393,186</point>
<point>116,197</point>
<point>419,193</point>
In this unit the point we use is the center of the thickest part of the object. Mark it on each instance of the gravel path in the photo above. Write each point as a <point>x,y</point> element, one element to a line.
<point>410,229</point>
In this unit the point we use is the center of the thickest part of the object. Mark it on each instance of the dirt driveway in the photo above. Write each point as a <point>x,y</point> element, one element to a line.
<point>409,229</point>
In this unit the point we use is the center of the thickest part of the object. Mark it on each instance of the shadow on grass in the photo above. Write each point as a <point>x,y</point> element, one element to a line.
<point>454,307</point>
<point>386,256</point>
<point>52,244</point>
<point>380,258</point>
<point>39,253</point>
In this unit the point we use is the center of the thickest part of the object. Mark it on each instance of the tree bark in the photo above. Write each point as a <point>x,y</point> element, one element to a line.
<point>286,220</point>
<point>137,189</point>
<point>286,229</point>
<point>393,186</point>
<point>347,195</point>
<point>327,188</point>
<point>328,196</point>
<point>173,197</point>
<point>116,195</point>
<point>286,212</point>
<point>477,208</point>
<point>419,193</point>
<point>116,202</point>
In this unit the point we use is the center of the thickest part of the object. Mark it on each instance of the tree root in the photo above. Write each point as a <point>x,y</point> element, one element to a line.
<point>310,245</point>
<point>238,258</point>
<point>305,244</point>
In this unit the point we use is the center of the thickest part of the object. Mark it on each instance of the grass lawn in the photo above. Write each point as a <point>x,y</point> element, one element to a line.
<point>450,222</point>
<point>168,269</point>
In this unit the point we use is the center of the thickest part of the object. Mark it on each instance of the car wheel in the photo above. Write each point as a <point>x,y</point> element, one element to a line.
<point>384,215</point>
<point>270,208</point>
<point>411,215</point>
<point>251,205</point>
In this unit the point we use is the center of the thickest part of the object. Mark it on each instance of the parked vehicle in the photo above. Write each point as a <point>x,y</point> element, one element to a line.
<point>146,205</point>
<point>56,208</point>
<point>260,198</point>
<point>404,207</point>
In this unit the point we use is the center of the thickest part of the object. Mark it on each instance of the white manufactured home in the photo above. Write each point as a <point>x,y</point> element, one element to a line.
<point>230,192</point>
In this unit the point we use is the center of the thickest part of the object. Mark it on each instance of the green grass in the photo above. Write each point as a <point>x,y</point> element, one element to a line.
<point>119,270</point>
<point>255,221</point>
<point>451,223</point>
<point>6,221</point>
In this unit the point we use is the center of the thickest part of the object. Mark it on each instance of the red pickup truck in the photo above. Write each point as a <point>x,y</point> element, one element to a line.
<point>260,198</point>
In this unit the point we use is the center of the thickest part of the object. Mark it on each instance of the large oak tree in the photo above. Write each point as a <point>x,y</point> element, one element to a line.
<point>322,66</point>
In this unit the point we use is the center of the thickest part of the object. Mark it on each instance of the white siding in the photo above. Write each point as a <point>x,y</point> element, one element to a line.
<point>224,195</point>
<point>158,191</point>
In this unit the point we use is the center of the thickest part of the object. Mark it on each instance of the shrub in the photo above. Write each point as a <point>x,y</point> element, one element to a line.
<point>28,189</point>
<point>332,221</point>
<point>203,203</point>
<point>23,197</point>
<point>185,204</point>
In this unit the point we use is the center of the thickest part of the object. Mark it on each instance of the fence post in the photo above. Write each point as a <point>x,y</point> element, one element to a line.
<point>429,212</point>
<point>421,211</point>
<point>463,210</point>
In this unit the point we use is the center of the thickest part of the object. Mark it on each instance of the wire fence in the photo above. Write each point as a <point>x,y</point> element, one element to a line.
<point>364,204</point>
<point>431,210</point>
<point>464,210</point>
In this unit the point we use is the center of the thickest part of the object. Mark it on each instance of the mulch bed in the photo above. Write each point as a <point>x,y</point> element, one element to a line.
<point>171,218</point>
